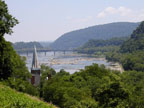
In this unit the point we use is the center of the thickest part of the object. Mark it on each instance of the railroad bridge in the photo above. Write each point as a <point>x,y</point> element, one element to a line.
<point>27,51</point>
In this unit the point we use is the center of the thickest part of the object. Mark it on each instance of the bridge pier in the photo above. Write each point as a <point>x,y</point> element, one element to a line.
<point>64,52</point>
<point>45,53</point>
<point>27,53</point>
<point>54,53</point>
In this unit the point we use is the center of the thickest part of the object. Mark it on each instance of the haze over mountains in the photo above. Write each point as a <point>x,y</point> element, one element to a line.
<point>26,45</point>
<point>77,38</point>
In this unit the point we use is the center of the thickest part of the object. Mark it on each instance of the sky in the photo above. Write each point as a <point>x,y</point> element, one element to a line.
<point>47,20</point>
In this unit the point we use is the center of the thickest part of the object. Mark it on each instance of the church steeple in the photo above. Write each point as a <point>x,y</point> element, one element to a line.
<point>35,69</point>
<point>35,64</point>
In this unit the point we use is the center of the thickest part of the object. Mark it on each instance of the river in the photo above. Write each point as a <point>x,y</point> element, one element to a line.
<point>70,62</point>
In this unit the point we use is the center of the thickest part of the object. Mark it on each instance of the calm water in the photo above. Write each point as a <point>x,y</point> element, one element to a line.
<point>69,61</point>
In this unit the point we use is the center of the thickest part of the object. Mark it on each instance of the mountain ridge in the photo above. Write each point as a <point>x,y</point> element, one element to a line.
<point>79,37</point>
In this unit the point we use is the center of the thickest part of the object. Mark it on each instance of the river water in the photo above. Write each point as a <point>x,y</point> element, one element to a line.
<point>70,62</point>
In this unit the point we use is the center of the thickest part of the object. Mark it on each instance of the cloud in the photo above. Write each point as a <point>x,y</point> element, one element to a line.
<point>122,11</point>
<point>110,10</point>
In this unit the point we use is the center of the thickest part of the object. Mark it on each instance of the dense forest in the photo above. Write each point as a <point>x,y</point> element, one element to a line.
<point>95,87</point>
<point>99,47</point>
<point>136,42</point>
<point>131,51</point>
<point>77,38</point>
<point>26,45</point>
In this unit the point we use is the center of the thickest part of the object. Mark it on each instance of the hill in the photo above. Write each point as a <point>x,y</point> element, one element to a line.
<point>131,53</point>
<point>26,45</point>
<point>100,46</point>
<point>10,98</point>
<point>136,42</point>
<point>101,43</point>
<point>77,38</point>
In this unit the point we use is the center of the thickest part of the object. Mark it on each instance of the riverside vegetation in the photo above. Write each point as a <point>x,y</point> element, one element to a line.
<point>92,87</point>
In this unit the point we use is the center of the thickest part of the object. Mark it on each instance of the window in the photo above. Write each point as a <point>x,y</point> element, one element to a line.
<point>33,80</point>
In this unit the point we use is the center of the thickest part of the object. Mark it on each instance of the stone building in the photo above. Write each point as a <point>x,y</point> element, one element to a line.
<point>35,69</point>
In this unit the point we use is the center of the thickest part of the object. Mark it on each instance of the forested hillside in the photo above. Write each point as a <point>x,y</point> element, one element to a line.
<point>101,46</point>
<point>131,53</point>
<point>26,45</point>
<point>77,38</point>
<point>136,42</point>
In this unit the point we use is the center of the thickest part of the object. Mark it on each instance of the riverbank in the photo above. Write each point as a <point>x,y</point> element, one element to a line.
<point>112,65</point>
<point>115,66</point>
<point>70,62</point>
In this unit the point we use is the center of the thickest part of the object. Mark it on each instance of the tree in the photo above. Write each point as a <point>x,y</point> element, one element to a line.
<point>7,21</point>
<point>13,68</point>
<point>112,96</point>
<point>11,64</point>
<point>47,72</point>
<point>136,41</point>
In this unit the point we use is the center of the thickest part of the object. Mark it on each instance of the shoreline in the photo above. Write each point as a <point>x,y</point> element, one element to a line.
<point>74,61</point>
<point>115,66</point>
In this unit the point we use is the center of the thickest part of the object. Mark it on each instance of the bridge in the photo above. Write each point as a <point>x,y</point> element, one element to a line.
<point>27,51</point>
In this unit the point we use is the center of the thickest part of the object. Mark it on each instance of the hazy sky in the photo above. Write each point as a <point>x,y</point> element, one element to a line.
<point>46,20</point>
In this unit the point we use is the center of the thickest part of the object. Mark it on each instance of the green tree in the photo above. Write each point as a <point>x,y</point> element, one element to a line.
<point>13,70</point>
<point>7,21</point>
<point>92,87</point>
<point>136,42</point>
<point>47,72</point>
<point>112,96</point>
<point>12,64</point>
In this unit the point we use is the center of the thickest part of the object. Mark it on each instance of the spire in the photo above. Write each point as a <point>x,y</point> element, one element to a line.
<point>35,59</point>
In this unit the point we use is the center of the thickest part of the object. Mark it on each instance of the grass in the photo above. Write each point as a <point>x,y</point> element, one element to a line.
<point>10,98</point>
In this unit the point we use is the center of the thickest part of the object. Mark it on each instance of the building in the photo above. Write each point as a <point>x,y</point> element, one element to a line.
<point>35,69</point>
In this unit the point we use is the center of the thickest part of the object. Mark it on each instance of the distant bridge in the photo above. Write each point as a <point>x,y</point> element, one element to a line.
<point>27,51</point>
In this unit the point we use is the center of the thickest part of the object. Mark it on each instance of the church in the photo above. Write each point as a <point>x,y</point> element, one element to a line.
<point>35,69</point>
